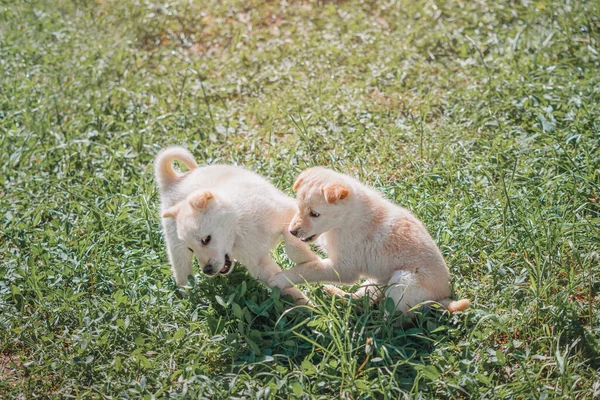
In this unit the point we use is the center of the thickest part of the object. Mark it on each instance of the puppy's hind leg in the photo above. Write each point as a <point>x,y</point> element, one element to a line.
<point>407,291</point>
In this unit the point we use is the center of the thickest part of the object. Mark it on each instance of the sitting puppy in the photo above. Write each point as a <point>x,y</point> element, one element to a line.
<point>220,213</point>
<point>366,235</point>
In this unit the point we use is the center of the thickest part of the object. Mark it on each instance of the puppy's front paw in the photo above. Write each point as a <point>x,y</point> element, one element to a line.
<point>298,297</point>
<point>280,280</point>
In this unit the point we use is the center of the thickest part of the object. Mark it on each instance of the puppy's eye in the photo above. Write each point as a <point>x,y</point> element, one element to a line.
<point>190,249</point>
<point>206,240</point>
<point>314,214</point>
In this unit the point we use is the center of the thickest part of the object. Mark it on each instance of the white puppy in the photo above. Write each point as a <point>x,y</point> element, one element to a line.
<point>220,213</point>
<point>366,235</point>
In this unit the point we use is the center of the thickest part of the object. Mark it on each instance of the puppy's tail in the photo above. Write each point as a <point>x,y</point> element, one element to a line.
<point>455,305</point>
<point>163,165</point>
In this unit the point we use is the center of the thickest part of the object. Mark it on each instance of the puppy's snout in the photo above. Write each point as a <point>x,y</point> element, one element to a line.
<point>208,269</point>
<point>294,232</point>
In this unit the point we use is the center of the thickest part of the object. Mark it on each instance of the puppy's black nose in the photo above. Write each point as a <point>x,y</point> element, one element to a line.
<point>294,232</point>
<point>208,269</point>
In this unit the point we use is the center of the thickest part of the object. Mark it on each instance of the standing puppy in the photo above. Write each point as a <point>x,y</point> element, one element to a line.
<point>220,213</point>
<point>366,235</point>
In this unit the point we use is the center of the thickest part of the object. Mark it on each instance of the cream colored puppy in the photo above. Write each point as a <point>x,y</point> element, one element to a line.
<point>221,213</point>
<point>365,235</point>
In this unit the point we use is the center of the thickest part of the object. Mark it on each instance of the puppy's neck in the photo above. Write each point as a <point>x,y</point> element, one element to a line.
<point>365,216</point>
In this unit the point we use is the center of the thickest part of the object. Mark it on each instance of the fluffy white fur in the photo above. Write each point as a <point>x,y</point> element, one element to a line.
<point>365,235</point>
<point>221,212</point>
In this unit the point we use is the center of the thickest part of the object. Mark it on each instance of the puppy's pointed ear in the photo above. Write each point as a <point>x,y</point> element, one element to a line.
<point>298,182</point>
<point>199,200</point>
<point>172,212</point>
<point>334,192</point>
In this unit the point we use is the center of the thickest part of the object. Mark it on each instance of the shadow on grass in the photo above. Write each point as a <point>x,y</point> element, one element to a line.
<point>339,345</point>
<point>576,336</point>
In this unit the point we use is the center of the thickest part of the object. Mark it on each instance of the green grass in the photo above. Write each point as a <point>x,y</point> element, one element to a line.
<point>482,117</point>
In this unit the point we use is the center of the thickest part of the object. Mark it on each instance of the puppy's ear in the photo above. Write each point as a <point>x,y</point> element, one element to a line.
<point>334,192</point>
<point>199,200</point>
<point>298,182</point>
<point>172,212</point>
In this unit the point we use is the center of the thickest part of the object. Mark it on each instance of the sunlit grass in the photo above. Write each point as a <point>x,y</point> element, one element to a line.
<point>481,118</point>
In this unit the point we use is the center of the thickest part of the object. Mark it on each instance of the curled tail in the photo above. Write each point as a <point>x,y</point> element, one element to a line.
<point>163,165</point>
<point>455,305</point>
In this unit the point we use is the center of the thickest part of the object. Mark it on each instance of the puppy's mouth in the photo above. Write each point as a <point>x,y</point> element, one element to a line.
<point>309,239</point>
<point>227,266</point>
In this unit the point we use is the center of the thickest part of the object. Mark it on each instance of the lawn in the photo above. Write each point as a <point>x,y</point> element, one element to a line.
<point>481,117</point>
